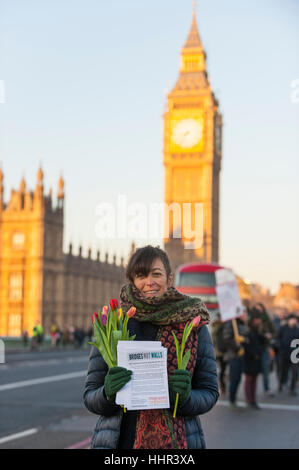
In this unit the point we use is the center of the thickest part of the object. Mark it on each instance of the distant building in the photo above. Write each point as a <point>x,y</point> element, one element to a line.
<point>287,297</point>
<point>38,281</point>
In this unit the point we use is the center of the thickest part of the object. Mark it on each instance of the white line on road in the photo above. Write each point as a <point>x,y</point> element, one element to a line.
<point>18,435</point>
<point>52,378</point>
<point>272,406</point>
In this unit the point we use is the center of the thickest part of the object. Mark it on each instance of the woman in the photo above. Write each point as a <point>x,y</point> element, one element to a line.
<point>161,309</point>
<point>254,348</point>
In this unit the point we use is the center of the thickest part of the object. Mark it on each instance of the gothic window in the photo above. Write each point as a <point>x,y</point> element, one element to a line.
<point>15,324</point>
<point>16,286</point>
<point>18,240</point>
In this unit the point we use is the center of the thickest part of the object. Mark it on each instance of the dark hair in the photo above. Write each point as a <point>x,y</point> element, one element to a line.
<point>142,260</point>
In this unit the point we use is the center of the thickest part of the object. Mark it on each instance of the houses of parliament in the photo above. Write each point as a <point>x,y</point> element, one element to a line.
<point>39,283</point>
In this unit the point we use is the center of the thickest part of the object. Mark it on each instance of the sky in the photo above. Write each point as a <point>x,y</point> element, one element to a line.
<point>85,85</point>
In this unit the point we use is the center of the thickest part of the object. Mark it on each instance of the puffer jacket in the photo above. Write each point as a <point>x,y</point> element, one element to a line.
<point>113,427</point>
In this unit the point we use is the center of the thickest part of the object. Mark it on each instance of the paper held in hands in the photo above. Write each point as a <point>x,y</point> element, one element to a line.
<point>148,387</point>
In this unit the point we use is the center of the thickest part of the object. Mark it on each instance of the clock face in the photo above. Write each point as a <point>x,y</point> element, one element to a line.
<point>187,133</point>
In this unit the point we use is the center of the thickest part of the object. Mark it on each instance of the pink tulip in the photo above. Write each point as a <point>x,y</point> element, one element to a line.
<point>131,312</point>
<point>196,321</point>
<point>105,310</point>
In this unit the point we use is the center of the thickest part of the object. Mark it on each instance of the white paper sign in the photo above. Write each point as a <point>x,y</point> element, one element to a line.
<point>228,295</point>
<point>148,387</point>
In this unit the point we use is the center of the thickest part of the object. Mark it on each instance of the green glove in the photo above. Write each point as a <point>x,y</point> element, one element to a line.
<point>179,382</point>
<point>116,378</point>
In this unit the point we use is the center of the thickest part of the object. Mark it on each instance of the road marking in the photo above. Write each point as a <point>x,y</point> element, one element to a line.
<point>18,435</point>
<point>52,378</point>
<point>81,445</point>
<point>271,406</point>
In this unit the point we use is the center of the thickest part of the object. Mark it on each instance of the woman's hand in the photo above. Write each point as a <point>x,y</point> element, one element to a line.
<point>179,382</point>
<point>115,380</point>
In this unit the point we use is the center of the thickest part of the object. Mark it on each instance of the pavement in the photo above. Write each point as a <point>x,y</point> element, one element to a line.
<point>41,407</point>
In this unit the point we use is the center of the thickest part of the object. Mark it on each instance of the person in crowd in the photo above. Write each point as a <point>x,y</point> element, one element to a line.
<point>253,353</point>
<point>160,309</point>
<point>36,337</point>
<point>279,320</point>
<point>220,350</point>
<point>247,305</point>
<point>25,338</point>
<point>269,333</point>
<point>53,333</point>
<point>286,335</point>
<point>235,352</point>
<point>40,334</point>
<point>65,337</point>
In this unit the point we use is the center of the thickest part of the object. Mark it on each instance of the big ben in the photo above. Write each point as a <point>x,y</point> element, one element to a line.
<point>192,159</point>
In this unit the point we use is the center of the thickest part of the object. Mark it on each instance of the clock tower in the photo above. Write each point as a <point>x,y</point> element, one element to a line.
<point>192,160</point>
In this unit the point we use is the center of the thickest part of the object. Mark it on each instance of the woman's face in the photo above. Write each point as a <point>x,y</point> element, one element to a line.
<point>156,282</point>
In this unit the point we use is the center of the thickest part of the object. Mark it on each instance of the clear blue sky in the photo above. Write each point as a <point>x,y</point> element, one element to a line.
<point>85,87</point>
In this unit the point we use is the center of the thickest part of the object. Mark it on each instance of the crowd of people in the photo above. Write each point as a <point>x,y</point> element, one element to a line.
<point>69,336</point>
<point>256,344</point>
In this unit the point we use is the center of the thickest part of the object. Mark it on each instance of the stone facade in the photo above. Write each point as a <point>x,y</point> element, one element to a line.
<point>192,156</point>
<point>38,281</point>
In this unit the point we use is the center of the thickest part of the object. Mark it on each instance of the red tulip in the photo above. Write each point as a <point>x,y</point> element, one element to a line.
<point>94,317</point>
<point>131,312</point>
<point>196,321</point>
<point>113,304</point>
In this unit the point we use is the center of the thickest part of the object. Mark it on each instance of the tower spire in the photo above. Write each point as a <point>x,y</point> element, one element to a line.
<point>193,39</point>
<point>193,55</point>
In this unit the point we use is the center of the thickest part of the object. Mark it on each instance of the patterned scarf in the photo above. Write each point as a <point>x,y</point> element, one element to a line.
<point>157,429</point>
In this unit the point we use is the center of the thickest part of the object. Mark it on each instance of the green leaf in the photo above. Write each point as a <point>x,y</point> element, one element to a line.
<point>104,342</point>
<point>186,359</point>
<point>178,351</point>
<point>115,337</point>
<point>104,354</point>
<point>132,338</point>
<point>124,328</point>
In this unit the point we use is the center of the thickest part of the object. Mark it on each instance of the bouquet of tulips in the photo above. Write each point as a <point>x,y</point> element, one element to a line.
<point>183,361</point>
<point>109,327</point>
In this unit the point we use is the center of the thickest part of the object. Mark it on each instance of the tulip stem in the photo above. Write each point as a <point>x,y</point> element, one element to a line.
<point>176,405</point>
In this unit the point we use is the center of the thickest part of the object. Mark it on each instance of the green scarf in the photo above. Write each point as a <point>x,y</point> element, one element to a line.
<point>167,309</point>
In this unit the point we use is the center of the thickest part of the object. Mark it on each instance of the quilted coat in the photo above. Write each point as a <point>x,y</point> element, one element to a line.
<point>116,430</point>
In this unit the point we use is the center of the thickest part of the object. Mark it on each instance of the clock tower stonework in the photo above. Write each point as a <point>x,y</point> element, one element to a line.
<point>192,160</point>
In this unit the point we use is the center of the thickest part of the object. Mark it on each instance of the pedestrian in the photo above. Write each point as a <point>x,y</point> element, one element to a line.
<point>220,350</point>
<point>286,335</point>
<point>160,309</point>
<point>65,337</point>
<point>254,348</point>
<point>235,353</point>
<point>268,330</point>
<point>279,320</point>
<point>53,336</point>
<point>25,338</point>
<point>34,339</point>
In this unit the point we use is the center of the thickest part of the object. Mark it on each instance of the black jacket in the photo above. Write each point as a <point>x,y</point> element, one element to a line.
<point>229,338</point>
<point>254,348</point>
<point>116,429</point>
<point>285,336</point>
